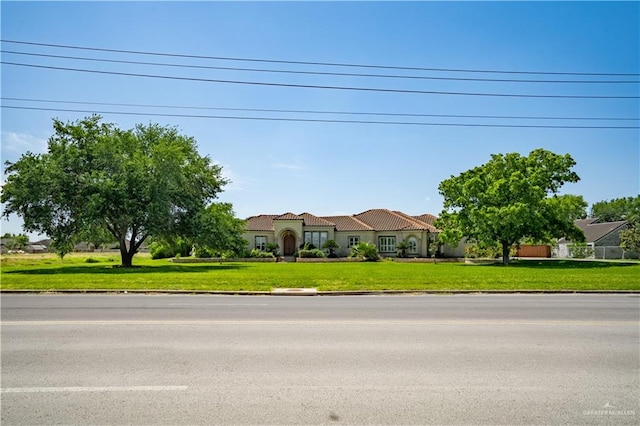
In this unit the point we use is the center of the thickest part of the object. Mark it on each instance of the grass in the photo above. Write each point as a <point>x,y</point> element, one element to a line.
<point>101,271</point>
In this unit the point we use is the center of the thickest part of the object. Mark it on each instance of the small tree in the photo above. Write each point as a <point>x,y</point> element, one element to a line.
<point>366,251</point>
<point>630,237</point>
<point>62,247</point>
<point>16,242</point>
<point>434,246</point>
<point>332,246</point>
<point>97,235</point>
<point>403,247</point>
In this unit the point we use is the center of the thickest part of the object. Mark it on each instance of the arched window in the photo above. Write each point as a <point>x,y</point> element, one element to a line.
<point>413,245</point>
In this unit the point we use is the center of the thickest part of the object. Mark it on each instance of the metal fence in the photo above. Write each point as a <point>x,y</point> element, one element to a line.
<point>613,252</point>
<point>594,252</point>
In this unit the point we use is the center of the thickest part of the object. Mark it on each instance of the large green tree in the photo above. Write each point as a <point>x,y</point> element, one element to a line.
<point>148,181</point>
<point>219,231</point>
<point>627,208</point>
<point>512,197</point>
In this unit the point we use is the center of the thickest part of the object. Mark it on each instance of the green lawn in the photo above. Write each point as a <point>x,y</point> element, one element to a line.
<point>46,272</point>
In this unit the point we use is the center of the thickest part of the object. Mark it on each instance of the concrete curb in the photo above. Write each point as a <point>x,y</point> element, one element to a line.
<point>313,292</point>
<point>294,292</point>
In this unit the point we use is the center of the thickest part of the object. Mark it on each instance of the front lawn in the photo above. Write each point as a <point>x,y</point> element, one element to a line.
<point>46,272</point>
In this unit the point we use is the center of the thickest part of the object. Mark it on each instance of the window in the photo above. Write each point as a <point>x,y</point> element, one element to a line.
<point>387,244</point>
<point>261,242</point>
<point>413,245</point>
<point>353,241</point>
<point>317,238</point>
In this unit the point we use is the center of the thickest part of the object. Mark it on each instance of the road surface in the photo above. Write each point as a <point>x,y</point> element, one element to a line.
<point>464,359</point>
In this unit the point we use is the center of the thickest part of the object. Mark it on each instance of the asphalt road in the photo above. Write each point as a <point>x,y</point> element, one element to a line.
<point>465,359</point>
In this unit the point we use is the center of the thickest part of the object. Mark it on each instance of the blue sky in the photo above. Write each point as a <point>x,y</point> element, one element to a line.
<point>340,168</point>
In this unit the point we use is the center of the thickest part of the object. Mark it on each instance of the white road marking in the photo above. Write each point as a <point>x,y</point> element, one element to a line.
<point>94,389</point>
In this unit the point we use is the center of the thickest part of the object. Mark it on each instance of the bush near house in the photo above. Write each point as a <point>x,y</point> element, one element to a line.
<point>312,253</point>
<point>260,254</point>
<point>366,251</point>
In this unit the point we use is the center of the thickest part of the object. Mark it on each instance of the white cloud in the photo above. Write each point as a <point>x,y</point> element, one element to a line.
<point>19,143</point>
<point>296,164</point>
<point>235,182</point>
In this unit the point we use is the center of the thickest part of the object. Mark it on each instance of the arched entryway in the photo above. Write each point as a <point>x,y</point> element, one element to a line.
<point>289,244</point>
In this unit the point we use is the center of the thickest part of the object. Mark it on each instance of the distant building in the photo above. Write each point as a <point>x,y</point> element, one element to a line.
<point>603,238</point>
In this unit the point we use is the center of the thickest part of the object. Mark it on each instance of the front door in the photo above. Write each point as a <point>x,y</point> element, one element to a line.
<point>289,243</point>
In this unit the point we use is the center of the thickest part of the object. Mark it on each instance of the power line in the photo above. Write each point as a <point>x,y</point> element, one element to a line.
<point>322,112</point>
<point>340,74</point>
<point>333,64</point>
<point>311,86</point>
<point>307,120</point>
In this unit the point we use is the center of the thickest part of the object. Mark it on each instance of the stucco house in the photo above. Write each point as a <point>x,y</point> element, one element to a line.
<point>382,227</point>
<point>602,237</point>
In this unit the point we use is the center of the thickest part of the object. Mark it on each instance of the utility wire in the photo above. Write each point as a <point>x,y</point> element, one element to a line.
<point>333,64</point>
<point>341,74</point>
<point>388,114</point>
<point>306,120</point>
<point>311,86</point>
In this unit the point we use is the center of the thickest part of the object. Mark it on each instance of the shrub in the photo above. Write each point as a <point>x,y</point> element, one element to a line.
<point>580,250</point>
<point>260,254</point>
<point>273,248</point>
<point>366,251</point>
<point>332,246</point>
<point>313,253</point>
<point>91,260</point>
<point>161,251</point>
<point>487,251</point>
<point>202,252</point>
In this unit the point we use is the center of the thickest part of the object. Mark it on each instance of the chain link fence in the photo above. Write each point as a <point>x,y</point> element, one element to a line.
<point>593,252</point>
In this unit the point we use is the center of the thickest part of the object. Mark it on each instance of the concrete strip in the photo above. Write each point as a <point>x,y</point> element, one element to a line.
<point>294,292</point>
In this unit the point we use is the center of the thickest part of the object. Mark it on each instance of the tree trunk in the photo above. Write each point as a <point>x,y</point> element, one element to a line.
<point>506,248</point>
<point>126,256</point>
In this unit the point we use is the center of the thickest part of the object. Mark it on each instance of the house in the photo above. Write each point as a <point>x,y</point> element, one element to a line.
<point>382,227</point>
<point>603,238</point>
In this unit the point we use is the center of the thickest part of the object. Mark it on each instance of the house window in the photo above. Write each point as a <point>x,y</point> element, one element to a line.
<point>317,238</point>
<point>387,244</point>
<point>353,241</point>
<point>413,245</point>
<point>261,242</point>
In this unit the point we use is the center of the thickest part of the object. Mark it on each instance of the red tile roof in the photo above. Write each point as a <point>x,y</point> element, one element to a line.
<point>386,220</point>
<point>311,220</point>
<point>289,216</point>
<point>424,224</point>
<point>370,220</point>
<point>348,223</point>
<point>427,218</point>
<point>263,222</point>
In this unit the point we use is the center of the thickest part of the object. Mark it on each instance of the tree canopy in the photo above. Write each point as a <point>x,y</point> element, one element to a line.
<point>627,208</point>
<point>148,181</point>
<point>512,197</point>
<point>630,237</point>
